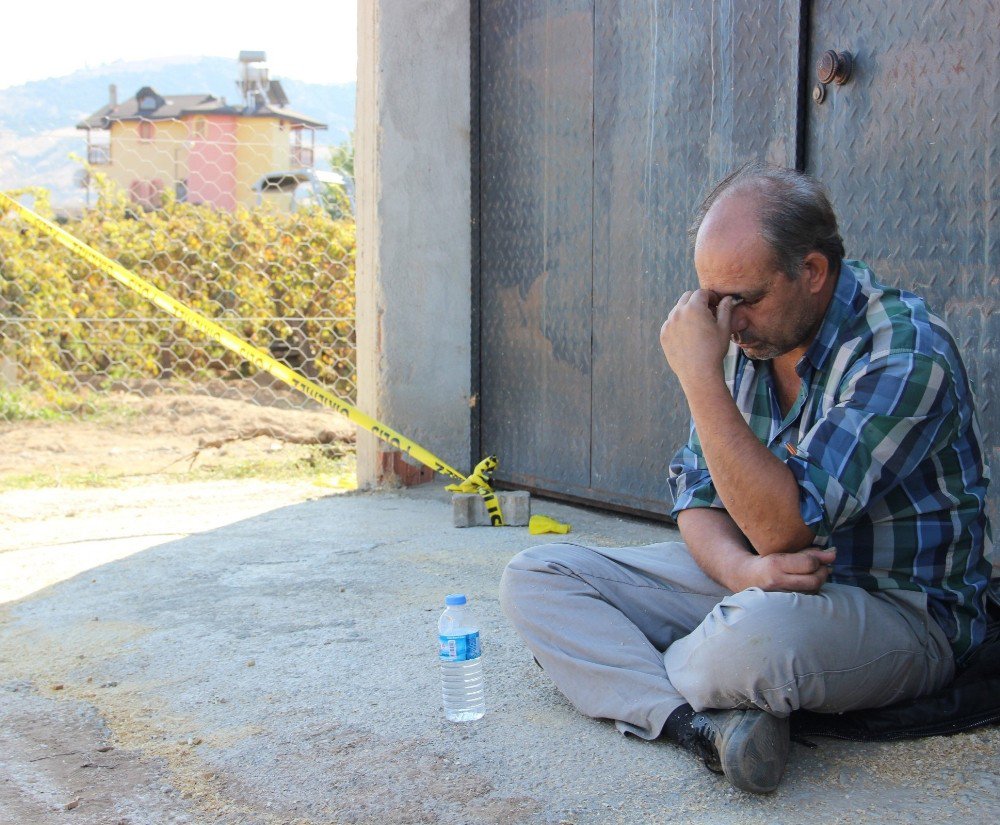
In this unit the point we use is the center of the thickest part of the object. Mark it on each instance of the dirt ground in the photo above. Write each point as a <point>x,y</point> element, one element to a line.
<point>146,438</point>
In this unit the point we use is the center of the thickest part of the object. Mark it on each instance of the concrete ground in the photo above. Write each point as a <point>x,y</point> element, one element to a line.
<point>262,652</point>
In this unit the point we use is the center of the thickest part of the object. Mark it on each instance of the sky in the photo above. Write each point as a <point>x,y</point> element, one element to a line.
<point>309,40</point>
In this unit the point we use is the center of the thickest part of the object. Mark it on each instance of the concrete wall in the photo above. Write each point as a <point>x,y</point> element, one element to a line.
<point>413,211</point>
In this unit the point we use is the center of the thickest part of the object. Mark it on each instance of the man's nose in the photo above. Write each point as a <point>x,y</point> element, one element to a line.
<point>738,322</point>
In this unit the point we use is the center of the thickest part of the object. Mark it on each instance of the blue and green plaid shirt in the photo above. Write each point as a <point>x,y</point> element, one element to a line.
<point>885,446</point>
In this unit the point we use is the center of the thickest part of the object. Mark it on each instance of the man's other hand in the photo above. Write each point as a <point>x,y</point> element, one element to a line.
<point>695,336</point>
<point>801,572</point>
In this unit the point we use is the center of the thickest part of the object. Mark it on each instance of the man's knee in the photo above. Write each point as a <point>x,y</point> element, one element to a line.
<point>522,579</point>
<point>733,657</point>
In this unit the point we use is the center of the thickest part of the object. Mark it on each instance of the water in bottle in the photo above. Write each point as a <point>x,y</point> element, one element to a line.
<point>461,663</point>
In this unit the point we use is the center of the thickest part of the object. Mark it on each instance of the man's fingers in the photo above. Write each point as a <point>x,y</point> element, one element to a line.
<point>684,298</point>
<point>798,563</point>
<point>825,555</point>
<point>703,296</point>
<point>805,571</point>
<point>724,313</point>
<point>805,583</point>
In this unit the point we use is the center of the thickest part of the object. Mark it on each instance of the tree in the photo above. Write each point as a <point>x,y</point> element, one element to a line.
<point>342,161</point>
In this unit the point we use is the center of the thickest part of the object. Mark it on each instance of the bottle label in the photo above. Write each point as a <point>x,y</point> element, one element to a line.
<point>459,648</point>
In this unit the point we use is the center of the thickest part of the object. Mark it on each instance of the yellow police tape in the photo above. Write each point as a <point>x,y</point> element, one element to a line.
<point>478,481</point>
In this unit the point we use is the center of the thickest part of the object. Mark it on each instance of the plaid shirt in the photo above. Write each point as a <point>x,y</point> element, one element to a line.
<point>884,444</point>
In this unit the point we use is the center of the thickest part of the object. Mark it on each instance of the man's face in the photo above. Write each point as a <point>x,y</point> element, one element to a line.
<point>775,314</point>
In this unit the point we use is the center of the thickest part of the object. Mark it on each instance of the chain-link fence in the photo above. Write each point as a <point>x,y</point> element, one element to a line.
<point>221,209</point>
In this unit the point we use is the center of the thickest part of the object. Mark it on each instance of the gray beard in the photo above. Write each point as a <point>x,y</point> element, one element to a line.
<point>805,330</point>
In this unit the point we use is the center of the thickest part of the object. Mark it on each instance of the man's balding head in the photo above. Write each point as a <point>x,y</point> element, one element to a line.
<point>790,210</point>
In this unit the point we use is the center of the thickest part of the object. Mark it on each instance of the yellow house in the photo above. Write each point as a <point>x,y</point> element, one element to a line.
<point>200,147</point>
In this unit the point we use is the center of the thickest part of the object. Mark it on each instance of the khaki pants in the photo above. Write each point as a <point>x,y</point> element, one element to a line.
<point>631,633</point>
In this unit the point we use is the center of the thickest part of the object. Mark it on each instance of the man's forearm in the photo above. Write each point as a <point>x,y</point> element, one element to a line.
<point>759,491</point>
<point>715,543</point>
<point>722,551</point>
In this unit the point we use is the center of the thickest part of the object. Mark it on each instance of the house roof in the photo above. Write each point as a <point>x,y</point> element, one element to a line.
<point>147,104</point>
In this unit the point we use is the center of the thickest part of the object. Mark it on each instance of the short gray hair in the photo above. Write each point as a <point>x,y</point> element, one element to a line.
<point>795,214</point>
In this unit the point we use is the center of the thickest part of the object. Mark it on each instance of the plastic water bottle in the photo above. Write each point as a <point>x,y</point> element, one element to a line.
<point>461,663</point>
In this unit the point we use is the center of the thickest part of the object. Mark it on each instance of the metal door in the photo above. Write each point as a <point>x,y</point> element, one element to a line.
<point>536,262</point>
<point>598,134</point>
<point>908,147</point>
<point>683,93</point>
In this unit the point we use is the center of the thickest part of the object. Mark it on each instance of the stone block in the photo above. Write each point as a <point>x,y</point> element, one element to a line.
<point>469,509</point>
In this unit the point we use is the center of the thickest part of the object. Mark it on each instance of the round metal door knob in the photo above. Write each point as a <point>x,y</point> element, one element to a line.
<point>835,67</point>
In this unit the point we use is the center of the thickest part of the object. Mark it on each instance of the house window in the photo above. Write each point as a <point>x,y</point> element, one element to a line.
<point>98,147</point>
<point>98,154</point>
<point>301,154</point>
<point>147,103</point>
<point>146,130</point>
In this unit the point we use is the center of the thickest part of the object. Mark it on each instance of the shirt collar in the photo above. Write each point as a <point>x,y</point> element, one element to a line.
<point>840,309</point>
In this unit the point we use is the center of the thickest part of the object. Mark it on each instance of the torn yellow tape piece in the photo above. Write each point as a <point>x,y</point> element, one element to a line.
<point>539,524</point>
<point>261,360</point>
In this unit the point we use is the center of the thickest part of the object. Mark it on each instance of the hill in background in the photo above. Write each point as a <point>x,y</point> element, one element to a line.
<point>38,119</point>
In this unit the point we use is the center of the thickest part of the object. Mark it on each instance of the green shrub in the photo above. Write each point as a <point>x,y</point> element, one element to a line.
<point>281,281</point>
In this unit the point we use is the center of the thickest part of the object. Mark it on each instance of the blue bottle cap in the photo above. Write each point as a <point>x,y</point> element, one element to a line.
<point>455,598</point>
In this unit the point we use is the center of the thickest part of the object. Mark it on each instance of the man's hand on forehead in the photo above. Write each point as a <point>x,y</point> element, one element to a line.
<point>714,298</point>
<point>695,336</point>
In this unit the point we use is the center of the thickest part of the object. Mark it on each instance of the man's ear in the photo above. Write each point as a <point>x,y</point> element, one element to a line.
<point>816,271</point>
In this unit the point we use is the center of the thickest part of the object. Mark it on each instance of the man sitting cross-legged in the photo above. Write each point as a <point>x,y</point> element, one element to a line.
<point>830,500</point>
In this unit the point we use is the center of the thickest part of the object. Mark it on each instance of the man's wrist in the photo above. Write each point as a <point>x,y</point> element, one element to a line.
<point>737,574</point>
<point>742,577</point>
<point>706,387</point>
<point>713,408</point>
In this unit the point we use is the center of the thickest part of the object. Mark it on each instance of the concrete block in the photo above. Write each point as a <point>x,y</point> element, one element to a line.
<point>516,507</point>
<point>469,509</point>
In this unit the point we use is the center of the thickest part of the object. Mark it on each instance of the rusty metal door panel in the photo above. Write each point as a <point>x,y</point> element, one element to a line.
<point>683,93</point>
<point>909,147</point>
<point>536,192</point>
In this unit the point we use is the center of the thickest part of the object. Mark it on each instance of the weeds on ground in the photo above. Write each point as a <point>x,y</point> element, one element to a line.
<point>18,404</point>
<point>324,466</point>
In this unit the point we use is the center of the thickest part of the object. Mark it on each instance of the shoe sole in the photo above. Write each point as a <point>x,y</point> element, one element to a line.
<point>754,751</point>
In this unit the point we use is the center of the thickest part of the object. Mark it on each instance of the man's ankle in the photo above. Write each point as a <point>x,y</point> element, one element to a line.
<point>680,728</point>
<point>678,723</point>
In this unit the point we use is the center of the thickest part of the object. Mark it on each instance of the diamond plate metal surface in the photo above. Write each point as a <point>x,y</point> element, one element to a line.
<point>910,150</point>
<point>683,93</point>
<point>536,261</point>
